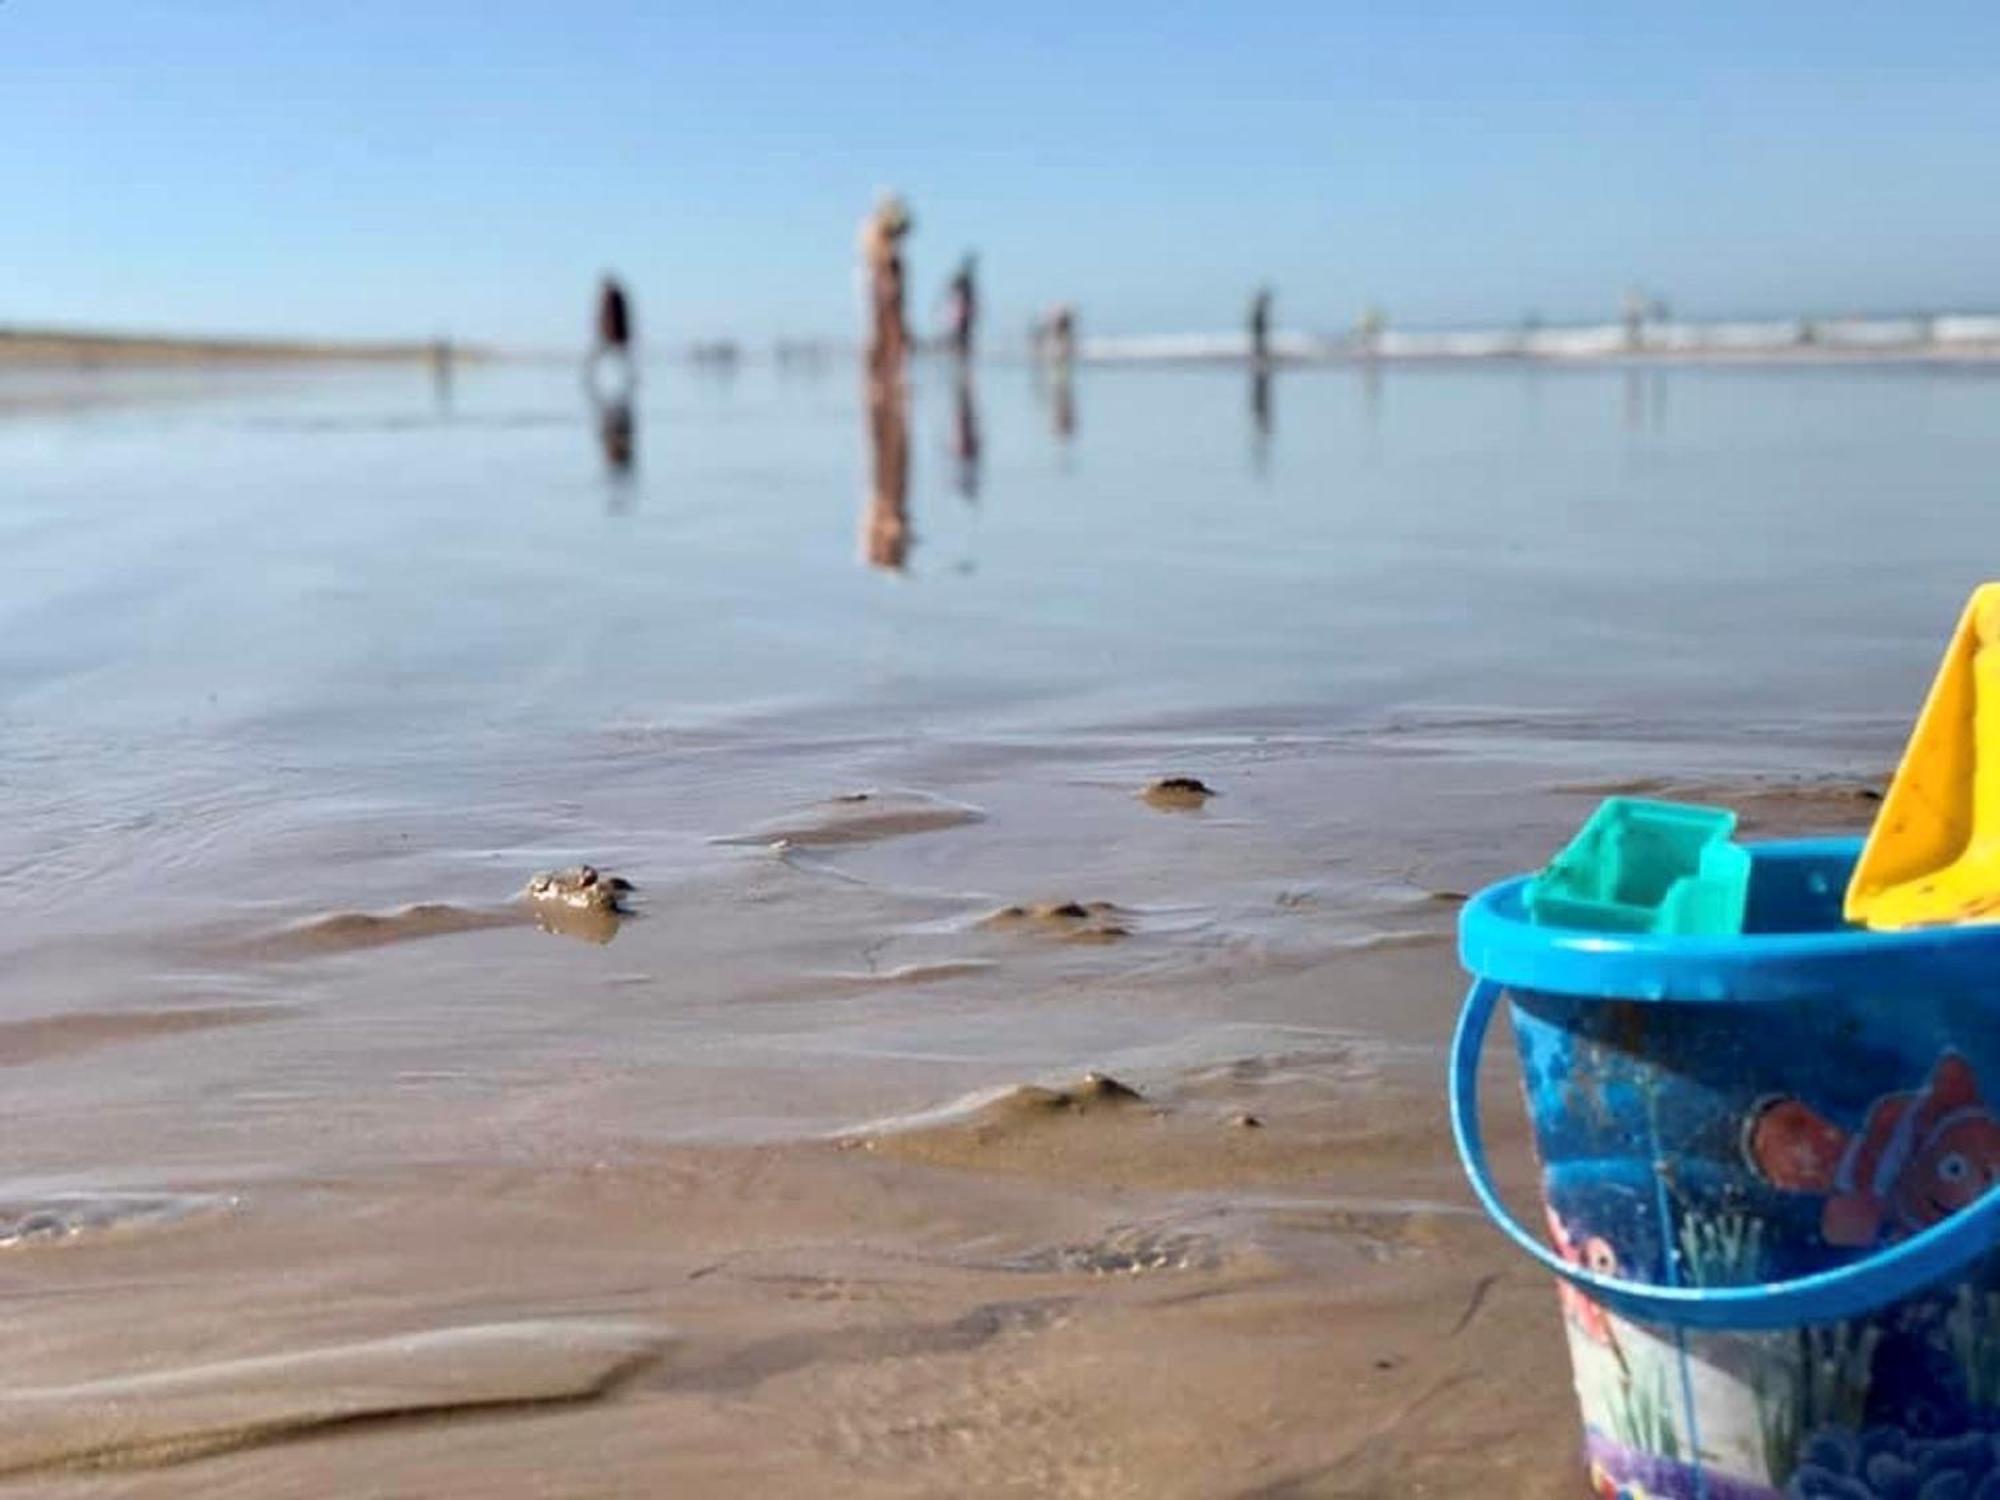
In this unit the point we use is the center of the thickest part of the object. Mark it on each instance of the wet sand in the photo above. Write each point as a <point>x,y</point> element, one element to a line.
<point>1238,1260</point>
<point>330,1169</point>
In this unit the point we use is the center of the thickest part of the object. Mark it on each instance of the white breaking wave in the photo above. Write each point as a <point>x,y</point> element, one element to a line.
<point>1955,335</point>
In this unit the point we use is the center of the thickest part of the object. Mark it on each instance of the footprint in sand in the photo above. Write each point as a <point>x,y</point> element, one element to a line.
<point>1128,1250</point>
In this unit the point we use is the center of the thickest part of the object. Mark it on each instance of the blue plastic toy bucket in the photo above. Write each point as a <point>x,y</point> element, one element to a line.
<point>1766,1163</point>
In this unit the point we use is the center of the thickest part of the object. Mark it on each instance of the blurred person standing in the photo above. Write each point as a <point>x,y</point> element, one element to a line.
<point>882,234</point>
<point>614,333</point>
<point>1260,326</point>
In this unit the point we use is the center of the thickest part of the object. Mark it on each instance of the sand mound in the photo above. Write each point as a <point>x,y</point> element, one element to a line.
<point>345,932</point>
<point>860,818</point>
<point>39,1038</point>
<point>1178,793</point>
<point>1068,921</point>
<point>180,1414</point>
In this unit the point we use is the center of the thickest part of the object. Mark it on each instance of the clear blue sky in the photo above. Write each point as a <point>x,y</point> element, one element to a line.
<point>399,166</point>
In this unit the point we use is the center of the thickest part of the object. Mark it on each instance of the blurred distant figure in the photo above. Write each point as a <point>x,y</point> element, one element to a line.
<point>1635,318</point>
<point>885,514</point>
<point>614,335</point>
<point>614,318</point>
<point>882,234</point>
<point>806,356</point>
<point>718,356</point>
<point>1369,330</point>
<point>1260,326</point>
<point>965,432</point>
<point>961,309</point>
<point>1054,338</point>
<point>1057,336</point>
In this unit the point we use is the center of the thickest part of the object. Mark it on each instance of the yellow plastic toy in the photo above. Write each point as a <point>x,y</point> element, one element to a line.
<point>1933,856</point>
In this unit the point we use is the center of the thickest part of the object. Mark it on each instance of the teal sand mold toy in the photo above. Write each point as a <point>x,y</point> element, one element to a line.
<point>1637,866</point>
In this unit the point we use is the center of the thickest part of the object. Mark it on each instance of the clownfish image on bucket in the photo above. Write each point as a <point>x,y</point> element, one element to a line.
<point>1916,1157</point>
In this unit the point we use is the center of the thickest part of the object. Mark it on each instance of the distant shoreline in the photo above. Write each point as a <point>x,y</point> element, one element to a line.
<point>62,346</point>
<point>1944,339</point>
<point>1957,340</point>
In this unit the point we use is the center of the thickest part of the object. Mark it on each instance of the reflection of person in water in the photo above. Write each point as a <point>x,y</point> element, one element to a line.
<point>882,235</point>
<point>961,309</point>
<point>441,359</point>
<point>1063,406</point>
<point>1260,419</point>
<point>965,432</point>
<point>885,515</point>
<point>614,339</point>
<point>617,435</point>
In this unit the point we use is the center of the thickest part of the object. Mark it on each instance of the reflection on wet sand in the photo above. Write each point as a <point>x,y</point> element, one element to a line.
<point>1260,417</point>
<point>1063,405</point>
<point>1371,397</point>
<point>441,358</point>
<point>1645,401</point>
<point>965,431</point>
<point>617,436</point>
<point>885,513</point>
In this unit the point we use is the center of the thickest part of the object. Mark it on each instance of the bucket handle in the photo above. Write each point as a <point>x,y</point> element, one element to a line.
<point>1890,1274</point>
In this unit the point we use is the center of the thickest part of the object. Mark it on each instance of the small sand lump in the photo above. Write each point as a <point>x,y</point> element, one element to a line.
<point>1070,921</point>
<point>1178,792</point>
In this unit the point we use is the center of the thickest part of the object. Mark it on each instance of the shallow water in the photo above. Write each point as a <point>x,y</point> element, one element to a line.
<point>270,652</point>
<point>302,676</point>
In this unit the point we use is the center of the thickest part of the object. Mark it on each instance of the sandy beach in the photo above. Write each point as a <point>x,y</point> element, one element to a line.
<point>948,1116</point>
<point>1255,1273</point>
